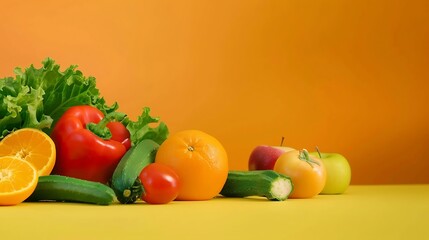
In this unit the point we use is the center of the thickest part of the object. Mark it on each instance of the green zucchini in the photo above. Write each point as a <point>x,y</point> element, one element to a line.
<point>125,181</point>
<point>263,183</point>
<point>68,189</point>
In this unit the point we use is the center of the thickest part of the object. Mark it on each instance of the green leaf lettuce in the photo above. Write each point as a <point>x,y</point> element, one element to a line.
<point>37,98</point>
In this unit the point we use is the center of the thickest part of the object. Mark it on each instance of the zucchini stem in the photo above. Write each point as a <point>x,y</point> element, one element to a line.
<point>126,193</point>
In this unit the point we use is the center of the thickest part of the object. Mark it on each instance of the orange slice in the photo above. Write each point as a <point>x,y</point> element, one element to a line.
<point>31,145</point>
<point>18,179</point>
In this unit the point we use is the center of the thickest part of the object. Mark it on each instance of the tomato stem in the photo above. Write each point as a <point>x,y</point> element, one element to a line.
<point>305,156</point>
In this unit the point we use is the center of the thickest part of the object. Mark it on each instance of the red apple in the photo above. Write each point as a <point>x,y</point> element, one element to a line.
<point>264,157</point>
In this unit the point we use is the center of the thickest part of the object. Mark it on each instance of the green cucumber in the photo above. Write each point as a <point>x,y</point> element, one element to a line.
<point>263,183</point>
<point>125,181</point>
<point>68,189</point>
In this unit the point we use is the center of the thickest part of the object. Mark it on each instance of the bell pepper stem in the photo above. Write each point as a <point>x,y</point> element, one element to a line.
<point>100,129</point>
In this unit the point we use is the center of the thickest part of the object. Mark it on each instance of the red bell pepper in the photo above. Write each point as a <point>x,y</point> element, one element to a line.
<point>89,146</point>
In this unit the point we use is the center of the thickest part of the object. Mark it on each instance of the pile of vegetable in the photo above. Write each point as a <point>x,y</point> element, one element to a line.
<point>90,136</point>
<point>97,154</point>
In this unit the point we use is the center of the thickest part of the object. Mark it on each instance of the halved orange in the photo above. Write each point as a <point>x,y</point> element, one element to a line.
<point>18,179</point>
<point>33,146</point>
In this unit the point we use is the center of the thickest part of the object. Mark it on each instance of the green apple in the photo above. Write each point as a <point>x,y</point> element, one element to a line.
<point>338,172</point>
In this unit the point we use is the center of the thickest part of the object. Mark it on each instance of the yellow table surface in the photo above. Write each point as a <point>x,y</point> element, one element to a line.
<point>363,212</point>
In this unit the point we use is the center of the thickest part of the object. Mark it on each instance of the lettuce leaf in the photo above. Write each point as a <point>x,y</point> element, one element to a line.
<point>38,97</point>
<point>21,107</point>
<point>141,129</point>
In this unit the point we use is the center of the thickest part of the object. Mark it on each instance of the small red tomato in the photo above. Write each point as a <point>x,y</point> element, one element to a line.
<point>160,183</point>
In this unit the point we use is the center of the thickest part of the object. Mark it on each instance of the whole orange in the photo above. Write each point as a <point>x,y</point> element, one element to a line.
<point>199,160</point>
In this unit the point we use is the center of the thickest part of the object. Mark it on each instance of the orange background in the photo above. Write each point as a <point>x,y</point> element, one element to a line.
<point>348,76</point>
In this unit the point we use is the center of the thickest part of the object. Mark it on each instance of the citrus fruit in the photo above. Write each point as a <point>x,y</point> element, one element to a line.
<point>18,179</point>
<point>199,160</point>
<point>31,145</point>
